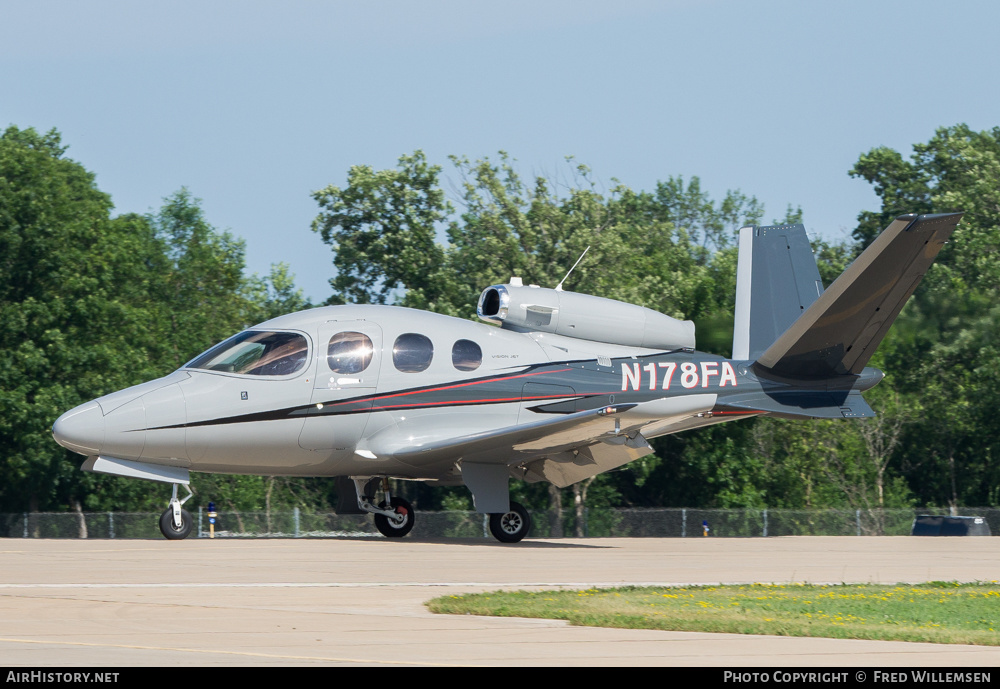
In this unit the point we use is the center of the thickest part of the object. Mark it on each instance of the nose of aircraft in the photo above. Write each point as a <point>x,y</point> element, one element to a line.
<point>81,429</point>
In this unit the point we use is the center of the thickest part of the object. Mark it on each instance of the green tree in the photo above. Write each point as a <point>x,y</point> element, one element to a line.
<point>942,352</point>
<point>90,304</point>
<point>275,295</point>
<point>382,226</point>
<point>201,292</point>
<point>645,248</point>
<point>74,322</point>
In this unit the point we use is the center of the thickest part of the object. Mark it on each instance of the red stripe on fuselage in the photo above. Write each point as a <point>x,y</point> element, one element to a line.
<point>452,387</point>
<point>483,401</point>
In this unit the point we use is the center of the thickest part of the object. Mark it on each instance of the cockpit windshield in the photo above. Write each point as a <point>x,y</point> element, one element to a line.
<point>256,353</point>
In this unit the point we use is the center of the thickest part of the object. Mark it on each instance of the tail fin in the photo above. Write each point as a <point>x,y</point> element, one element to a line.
<point>776,281</point>
<point>811,346</point>
<point>838,332</point>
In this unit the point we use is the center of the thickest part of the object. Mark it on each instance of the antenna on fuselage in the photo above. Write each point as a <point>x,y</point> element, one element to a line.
<point>559,286</point>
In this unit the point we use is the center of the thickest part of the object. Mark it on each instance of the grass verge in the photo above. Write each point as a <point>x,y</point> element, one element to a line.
<point>938,612</point>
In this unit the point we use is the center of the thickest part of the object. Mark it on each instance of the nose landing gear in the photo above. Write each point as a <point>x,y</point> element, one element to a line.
<point>176,522</point>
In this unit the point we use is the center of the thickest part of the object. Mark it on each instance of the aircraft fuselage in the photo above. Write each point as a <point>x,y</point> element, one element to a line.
<point>316,421</point>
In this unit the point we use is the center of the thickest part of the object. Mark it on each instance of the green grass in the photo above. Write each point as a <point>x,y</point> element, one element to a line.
<point>938,612</point>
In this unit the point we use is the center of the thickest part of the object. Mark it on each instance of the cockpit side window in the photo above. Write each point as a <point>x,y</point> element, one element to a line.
<point>412,352</point>
<point>256,353</point>
<point>466,355</point>
<point>349,352</point>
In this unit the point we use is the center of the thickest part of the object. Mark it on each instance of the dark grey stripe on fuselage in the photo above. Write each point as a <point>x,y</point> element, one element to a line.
<point>570,386</point>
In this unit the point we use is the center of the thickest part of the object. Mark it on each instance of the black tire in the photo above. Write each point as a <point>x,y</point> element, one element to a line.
<point>511,526</point>
<point>168,529</point>
<point>391,529</point>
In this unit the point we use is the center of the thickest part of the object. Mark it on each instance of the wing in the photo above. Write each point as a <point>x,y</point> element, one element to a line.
<point>562,450</point>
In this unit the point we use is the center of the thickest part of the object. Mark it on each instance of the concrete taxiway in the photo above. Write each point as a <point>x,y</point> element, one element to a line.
<point>295,602</point>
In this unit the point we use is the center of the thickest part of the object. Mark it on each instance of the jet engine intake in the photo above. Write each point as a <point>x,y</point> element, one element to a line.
<point>537,309</point>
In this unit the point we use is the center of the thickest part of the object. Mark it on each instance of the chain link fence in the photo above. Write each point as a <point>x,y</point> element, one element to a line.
<point>649,523</point>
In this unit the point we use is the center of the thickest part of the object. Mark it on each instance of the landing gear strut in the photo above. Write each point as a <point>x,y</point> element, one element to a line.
<point>510,526</point>
<point>393,516</point>
<point>176,522</point>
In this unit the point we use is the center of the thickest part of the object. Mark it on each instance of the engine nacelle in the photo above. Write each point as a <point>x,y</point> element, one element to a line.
<point>537,309</point>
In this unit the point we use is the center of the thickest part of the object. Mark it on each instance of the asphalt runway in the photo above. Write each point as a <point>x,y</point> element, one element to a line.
<point>108,604</point>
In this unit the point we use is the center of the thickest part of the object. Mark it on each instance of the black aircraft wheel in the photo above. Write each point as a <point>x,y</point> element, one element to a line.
<point>395,529</point>
<point>168,529</point>
<point>511,526</point>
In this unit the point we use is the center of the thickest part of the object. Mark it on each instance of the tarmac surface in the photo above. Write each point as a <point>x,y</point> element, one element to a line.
<point>107,604</point>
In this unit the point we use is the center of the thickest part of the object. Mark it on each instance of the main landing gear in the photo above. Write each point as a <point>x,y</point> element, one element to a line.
<point>510,526</point>
<point>176,522</point>
<point>394,516</point>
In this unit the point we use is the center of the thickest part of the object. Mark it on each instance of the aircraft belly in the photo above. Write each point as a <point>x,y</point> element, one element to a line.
<point>258,447</point>
<point>288,463</point>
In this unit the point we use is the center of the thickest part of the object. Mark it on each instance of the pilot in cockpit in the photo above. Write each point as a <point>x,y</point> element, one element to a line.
<point>286,358</point>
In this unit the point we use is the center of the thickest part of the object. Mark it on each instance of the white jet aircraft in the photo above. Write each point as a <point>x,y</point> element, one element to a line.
<point>567,387</point>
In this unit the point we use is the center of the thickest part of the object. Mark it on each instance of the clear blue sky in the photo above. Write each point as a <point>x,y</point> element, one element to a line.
<point>253,105</point>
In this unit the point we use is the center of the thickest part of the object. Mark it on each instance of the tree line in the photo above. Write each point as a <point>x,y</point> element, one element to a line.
<point>91,302</point>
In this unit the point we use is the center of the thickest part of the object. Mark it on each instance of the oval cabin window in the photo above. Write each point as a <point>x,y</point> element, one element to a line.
<point>349,352</point>
<point>466,355</point>
<point>412,353</point>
